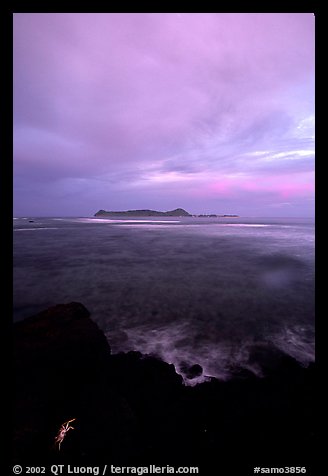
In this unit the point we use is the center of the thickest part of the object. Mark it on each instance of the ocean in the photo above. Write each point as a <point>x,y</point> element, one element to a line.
<point>189,290</point>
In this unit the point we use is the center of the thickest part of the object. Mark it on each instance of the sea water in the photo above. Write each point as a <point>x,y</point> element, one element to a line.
<point>189,290</point>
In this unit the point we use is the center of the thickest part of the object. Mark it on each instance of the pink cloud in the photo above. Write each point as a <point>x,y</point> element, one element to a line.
<point>284,186</point>
<point>108,95</point>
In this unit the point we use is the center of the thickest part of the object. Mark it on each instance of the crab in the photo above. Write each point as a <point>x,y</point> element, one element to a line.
<point>65,427</point>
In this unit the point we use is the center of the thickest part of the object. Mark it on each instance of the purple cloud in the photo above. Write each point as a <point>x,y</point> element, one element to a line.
<point>115,110</point>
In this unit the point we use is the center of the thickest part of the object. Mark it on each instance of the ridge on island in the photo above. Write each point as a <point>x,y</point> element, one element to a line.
<point>178,212</point>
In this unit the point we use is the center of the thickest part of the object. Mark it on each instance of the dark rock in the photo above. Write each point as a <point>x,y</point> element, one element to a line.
<point>147,381</point>
<point>132,408</point>
<point>61,358</point>
<point>191,371</point>
<point>271,359</point>
<point>62,337</point>
<point>241,373</point>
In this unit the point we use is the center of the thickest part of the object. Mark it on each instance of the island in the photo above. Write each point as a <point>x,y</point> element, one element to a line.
<point>178,212</point>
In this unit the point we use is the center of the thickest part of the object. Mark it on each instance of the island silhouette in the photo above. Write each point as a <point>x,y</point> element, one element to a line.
<point>178,212</point>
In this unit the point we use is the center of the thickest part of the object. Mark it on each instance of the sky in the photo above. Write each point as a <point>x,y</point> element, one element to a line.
<point>210,112</point>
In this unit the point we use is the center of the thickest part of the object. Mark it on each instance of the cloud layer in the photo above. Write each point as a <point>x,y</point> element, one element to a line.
<point>211,112</point>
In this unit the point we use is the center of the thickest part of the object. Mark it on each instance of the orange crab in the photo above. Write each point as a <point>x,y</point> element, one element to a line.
<point>65,427</point>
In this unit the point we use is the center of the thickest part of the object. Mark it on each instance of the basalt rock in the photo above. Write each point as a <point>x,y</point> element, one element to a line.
<point>191,371</point>
<point>135,409</point>
<point>61,357</point>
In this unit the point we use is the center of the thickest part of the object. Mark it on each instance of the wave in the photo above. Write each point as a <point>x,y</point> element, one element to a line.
<point>298,342</point>
<point>243,224</point>
<point>39,228</point>
<point>220,359</point>
<point>109,221</point>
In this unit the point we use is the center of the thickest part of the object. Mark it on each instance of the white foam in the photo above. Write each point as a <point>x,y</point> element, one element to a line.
<point>243,225</point>
<point>145,221</point>
<point>215,359</point>
<point>293,341</point>
<point>33,229</point>
<point>109,221</point>
<point>145,226</point>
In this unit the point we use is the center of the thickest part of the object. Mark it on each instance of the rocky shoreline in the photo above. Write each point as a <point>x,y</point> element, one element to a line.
<point>133,409</point>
